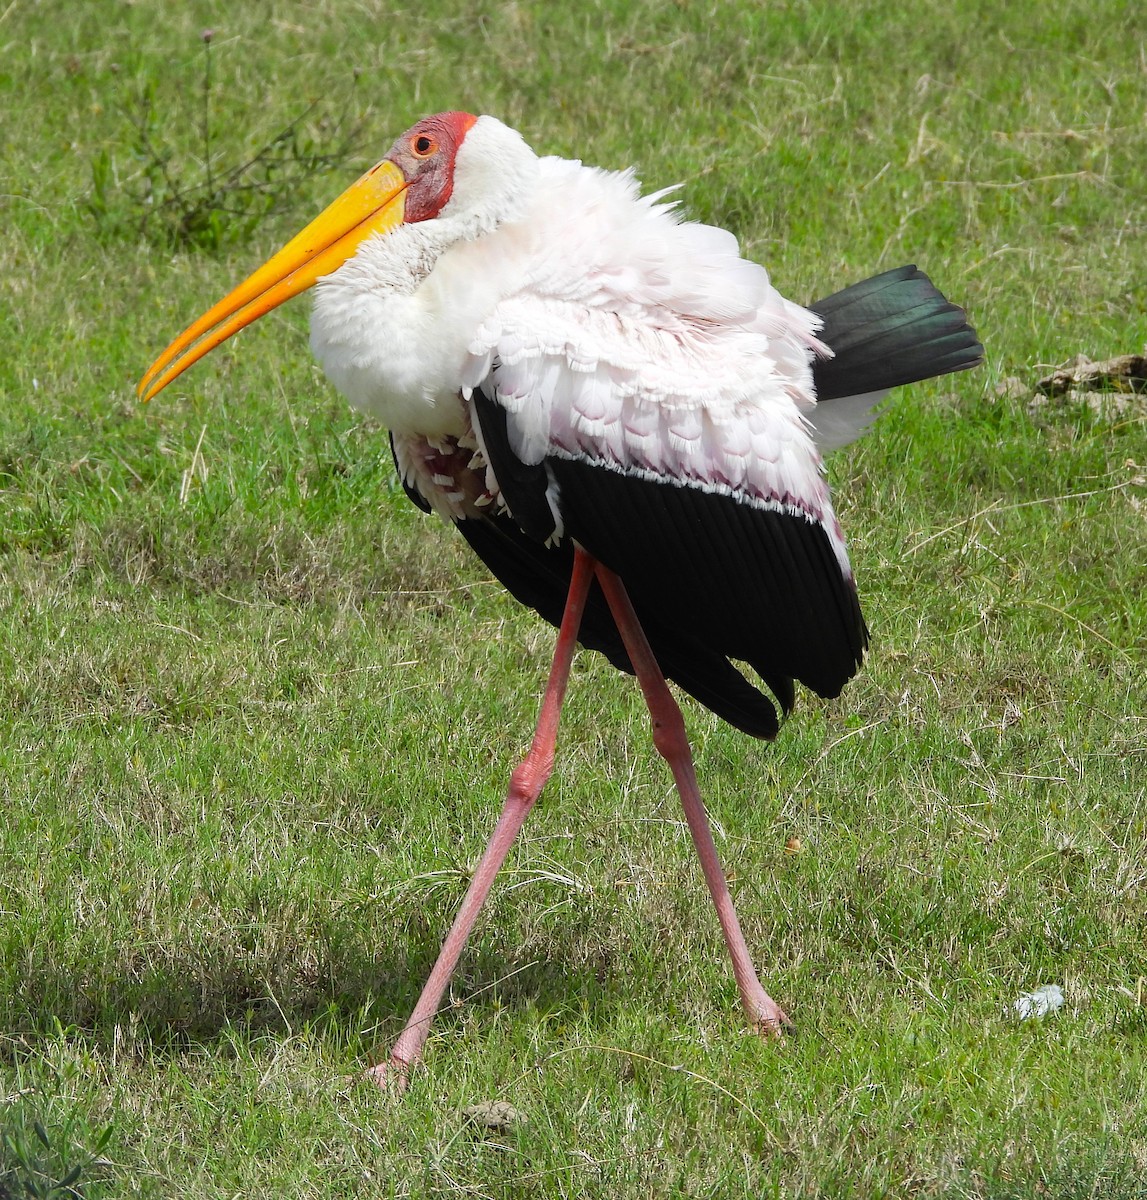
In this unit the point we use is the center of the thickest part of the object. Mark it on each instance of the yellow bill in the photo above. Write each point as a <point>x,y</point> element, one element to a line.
<point>372,204</point>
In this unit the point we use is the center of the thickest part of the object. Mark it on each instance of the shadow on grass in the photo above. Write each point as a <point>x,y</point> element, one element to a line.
<point>1099,1170</point>
<point>41,1161</point>
<point>362,1001</point>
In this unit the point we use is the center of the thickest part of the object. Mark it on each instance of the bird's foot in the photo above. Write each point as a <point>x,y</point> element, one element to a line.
<point>767,1017</point>
<point>393,1075</point>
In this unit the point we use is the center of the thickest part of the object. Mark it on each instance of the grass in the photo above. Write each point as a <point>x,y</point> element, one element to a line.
<point>258,713</point>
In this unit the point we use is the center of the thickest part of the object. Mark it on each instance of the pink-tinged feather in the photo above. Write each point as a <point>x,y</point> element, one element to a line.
<point>606,325</point>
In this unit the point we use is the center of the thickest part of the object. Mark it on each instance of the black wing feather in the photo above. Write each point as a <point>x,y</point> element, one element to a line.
<point>538,576</point>
<point>754,583</point>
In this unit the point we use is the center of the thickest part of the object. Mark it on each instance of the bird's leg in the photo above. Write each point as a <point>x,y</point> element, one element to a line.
<point>673,745</point>
<point>526,785</point>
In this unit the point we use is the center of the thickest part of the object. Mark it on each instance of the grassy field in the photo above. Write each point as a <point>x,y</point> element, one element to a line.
<point>258,713</point>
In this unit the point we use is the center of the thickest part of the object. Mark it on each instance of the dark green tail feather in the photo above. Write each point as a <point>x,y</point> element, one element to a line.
<point>892,329</point>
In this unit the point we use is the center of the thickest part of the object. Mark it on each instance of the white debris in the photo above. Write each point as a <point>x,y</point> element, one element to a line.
<point>1043,1000</point>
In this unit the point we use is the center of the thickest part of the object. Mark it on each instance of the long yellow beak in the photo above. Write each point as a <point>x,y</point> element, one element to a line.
<point>372,204</point>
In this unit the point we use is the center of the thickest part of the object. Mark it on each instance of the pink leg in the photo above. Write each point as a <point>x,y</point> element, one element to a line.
<point>525,786</point>
<point>671,742</point>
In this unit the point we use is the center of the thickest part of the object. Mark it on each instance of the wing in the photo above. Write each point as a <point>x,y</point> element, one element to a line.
<point>709,568</point>
<point>640,391</point>
<point>537,574</point>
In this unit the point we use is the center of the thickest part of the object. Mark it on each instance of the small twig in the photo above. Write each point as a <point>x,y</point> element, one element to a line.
<point>996,506</point>
<point>829,749</point>
<point>179,629</point>
<point>218,207</point>
<point>677,1068</point>
<point>208,34</point>
<point>499,981</point>
<point>1021,183</point>
<point>197,469</point>
<point>1082,624</point>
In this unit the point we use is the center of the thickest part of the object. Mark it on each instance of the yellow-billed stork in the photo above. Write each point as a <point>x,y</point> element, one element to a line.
<point>620,415</point>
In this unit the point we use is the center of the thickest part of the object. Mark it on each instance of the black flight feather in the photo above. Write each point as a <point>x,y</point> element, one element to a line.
<point>752,583</point>
<point>538,576</point>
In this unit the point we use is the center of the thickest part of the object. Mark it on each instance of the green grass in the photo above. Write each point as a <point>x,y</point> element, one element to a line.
<point>258,713</point>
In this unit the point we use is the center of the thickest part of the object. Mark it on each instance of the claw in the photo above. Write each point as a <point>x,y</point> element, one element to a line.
<point>770,1020</point>
<point>393,1076</point>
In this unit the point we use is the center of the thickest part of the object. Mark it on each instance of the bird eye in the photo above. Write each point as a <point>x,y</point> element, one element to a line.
<point>423,145</point>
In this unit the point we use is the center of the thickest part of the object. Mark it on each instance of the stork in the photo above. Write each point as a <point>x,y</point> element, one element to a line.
<point>623,418</point>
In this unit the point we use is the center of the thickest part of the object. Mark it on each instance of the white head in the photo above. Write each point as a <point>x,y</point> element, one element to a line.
<point>471,172</point>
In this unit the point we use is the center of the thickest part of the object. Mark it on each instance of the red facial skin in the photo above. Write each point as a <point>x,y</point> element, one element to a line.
<point>425,155</point>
